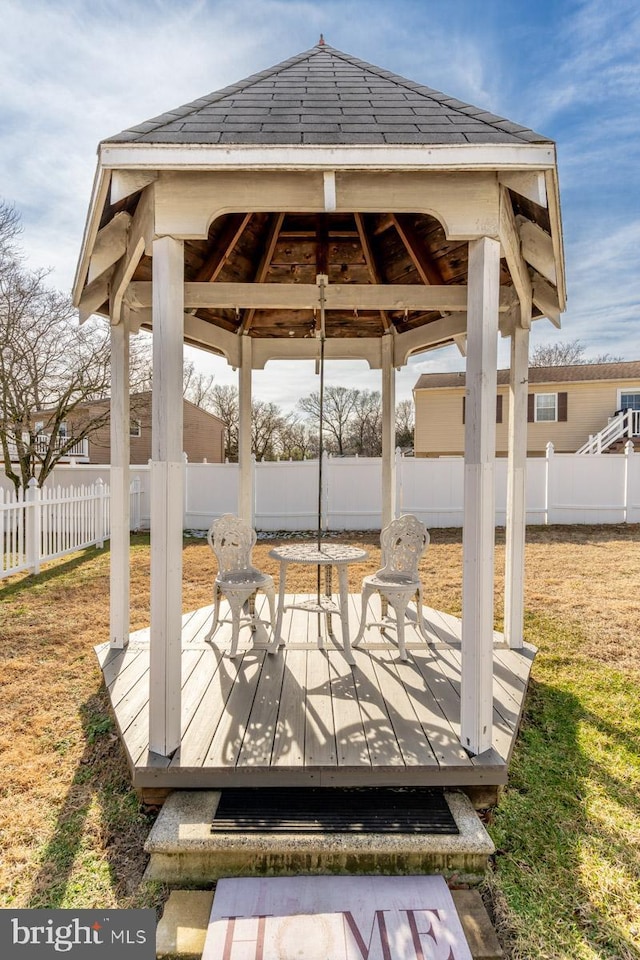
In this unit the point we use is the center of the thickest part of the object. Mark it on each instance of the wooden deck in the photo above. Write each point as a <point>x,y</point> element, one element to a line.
<point>304,717</point>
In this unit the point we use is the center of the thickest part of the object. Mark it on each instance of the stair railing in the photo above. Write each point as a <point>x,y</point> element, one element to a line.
<point>624,424</point>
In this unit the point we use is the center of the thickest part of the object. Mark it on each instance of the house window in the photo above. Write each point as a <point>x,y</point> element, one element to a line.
<point>135,429</point>
<point>546,408</point>
<point>630,401</point>
<point>63,432</point>
<point>38,426</point>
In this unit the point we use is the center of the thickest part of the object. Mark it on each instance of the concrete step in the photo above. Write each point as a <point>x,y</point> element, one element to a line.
<point>183,850</point>
<point>183,928</point>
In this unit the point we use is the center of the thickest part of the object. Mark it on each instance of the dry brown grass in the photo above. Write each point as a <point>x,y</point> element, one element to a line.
<point>71,830</point>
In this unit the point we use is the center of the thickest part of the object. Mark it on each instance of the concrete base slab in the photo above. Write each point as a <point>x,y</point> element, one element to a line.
<point>183,850</point>
<point>182,930</point>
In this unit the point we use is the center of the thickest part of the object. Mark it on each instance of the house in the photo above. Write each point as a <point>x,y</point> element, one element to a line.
<point>566,405</point>
<point>203,432</point>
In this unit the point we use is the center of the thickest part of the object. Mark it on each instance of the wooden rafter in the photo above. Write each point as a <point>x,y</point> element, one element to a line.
<point>267,255</point>
<point>233,230</point>
<point>426,266</point>
<point>371,262</point>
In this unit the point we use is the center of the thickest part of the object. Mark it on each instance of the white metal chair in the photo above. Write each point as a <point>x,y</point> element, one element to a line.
<point>232,540</point>
<point>403,542</point>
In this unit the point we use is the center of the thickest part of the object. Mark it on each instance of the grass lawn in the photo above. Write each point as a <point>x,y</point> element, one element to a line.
<point>566,877</point>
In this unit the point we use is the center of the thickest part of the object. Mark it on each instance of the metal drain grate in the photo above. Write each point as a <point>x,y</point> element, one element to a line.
<point>333,810</point>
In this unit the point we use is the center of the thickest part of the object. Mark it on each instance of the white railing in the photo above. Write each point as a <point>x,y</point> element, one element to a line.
<point>624,424</point>
<point>51,522</point>
<point>79,450</point>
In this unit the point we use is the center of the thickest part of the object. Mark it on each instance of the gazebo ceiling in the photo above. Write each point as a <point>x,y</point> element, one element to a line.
<point>320,99</point>
<point>350,248</point>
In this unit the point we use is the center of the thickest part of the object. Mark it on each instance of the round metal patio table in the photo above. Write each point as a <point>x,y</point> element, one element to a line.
<point>328,555</point>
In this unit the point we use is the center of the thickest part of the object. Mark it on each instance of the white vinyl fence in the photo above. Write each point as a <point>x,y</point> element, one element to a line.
<point>561,488</point>
<point>53,521</point>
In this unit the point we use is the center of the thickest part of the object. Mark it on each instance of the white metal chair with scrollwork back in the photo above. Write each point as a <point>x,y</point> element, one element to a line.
<point>403,542</point>
<point>232,540</point>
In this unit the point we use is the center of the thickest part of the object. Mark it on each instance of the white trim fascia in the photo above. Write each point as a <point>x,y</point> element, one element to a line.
<point>101,181</point>
<point>196,156</point>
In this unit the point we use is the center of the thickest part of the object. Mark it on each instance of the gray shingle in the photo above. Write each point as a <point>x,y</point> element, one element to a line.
<point>325,96</point>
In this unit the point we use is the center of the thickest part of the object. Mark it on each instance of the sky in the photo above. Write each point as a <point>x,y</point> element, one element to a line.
<point>73,72</point>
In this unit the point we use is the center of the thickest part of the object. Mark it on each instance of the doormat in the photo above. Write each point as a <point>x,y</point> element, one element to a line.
<point>406,810</point>
<point>334,918</point>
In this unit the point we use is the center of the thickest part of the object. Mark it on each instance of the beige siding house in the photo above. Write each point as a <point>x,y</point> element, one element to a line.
<point>203,432</point>
<point>567,404</point>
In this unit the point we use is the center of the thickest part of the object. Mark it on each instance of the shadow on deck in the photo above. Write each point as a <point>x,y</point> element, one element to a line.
<point>304,717</point>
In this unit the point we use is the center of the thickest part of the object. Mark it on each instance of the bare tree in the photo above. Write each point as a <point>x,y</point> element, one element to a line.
<point>405,424</point>
<point>266,423</point>
<point>197,386</point>
<point>50,367</point>
<point>339,404</point>
<point>224,403</point>
<point>565,353</point>
<point>365,428</point>
<point>296,441</point>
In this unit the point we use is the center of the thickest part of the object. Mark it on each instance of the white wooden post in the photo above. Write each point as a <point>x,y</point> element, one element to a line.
<point>388,431</point>
<point>479,496</point>
<point>32,526</point>
<point>167,468</point>
<point>245,494</point>
<point>516,489</point>
<point>119,484</point>
<point>399,482</point>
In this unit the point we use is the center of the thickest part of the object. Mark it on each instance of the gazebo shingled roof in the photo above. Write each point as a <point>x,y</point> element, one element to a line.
<point>326,96</point>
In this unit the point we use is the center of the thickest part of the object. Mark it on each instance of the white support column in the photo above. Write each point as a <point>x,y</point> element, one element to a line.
<point>388,431</point>
<point>516,489</point>
<point>245,495</point>
<point>119,483</point>
<point>479,496</point>
<point>166,496</point>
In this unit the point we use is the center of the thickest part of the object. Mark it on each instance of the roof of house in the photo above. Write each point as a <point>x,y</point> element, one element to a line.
<point>324,96</point>
<point>573,373</point>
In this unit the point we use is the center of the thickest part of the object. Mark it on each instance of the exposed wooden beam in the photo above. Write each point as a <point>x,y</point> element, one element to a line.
<point>216,260</point>
<point>546,299</point>
<point>428,270</point>
<point>370,260</point>
<point>510,241</point>
<point>528,183</point>
<point>263,267</point>
<point>94,295</point>
<point>139,240</point>
<point>110,244</point>
<point>126,182</point>
<point>537,248</point>
<point>304,296</point>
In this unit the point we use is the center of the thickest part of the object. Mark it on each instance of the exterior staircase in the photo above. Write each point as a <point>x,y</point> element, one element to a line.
<point>624,426</point>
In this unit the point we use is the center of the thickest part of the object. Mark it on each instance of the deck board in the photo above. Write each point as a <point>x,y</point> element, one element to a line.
<point>304,716</point>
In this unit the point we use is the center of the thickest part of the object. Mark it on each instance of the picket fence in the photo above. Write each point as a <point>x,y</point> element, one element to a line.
<point>52,521</point>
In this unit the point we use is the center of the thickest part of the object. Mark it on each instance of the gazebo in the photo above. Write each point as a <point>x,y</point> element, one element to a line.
<point>323,185</point>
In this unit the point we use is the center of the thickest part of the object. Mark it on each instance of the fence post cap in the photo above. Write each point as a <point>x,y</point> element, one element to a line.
<point>32,483</point>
